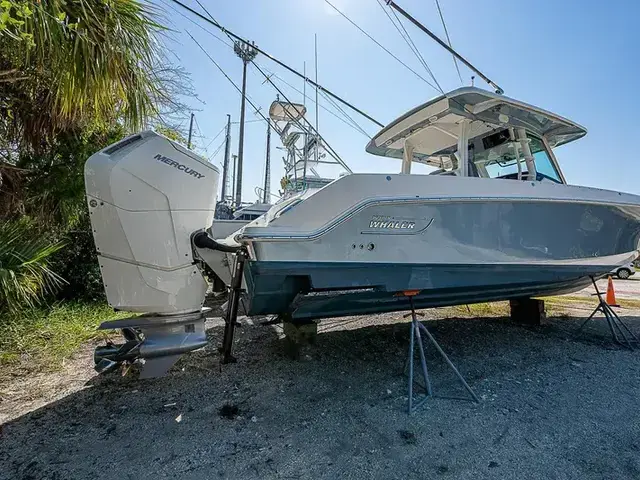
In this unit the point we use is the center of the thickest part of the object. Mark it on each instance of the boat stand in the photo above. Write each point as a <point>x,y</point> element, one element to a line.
<point>231,317</point>
<point>417,329</point>
<point>620,332</point>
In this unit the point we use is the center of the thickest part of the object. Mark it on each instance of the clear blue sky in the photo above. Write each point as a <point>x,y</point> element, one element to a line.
<point>578,58</point>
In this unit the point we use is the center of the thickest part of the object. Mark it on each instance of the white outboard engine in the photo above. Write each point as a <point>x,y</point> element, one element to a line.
<point>147,195</point>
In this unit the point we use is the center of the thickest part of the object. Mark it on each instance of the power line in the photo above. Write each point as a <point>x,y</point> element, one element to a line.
<point>413,48</point>
<point>313,130</point>
<point>379,44</point>
<point>249,121</point>
<point>196,23</point>
<point>271,124</point>
<point>214,138</point>
<point>446,32</point>
<point>275,127</point>
<point>272,58</point>
<point>353,123</point>
<point>273,74</point>
<point>217,150</point>
<point>357,127</point>
<point>215,21</point>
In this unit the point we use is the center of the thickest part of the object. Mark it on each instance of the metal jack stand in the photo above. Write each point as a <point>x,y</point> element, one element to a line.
<point>619,330</point>
<point>416,329</point>
<point>235,292</point>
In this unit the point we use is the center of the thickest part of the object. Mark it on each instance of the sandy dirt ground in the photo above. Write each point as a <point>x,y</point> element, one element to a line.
<point>553,405</point>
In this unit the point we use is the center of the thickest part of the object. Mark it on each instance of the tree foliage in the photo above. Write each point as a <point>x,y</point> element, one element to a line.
<point>53,189</point>
<point>173,134</point>
<point>75,76</point>
<point>25,276</point>
<point>65,61</point>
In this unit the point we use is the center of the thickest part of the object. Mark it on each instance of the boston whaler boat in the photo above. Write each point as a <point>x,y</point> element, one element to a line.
<point>495,221</point>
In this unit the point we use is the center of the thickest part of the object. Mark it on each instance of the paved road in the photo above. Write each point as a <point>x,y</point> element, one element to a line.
<point>629,289</point>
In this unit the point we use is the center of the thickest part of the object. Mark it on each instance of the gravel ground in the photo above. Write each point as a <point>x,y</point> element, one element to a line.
<point>552,406</point>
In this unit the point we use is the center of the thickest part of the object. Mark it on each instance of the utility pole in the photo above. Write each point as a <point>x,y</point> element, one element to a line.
<point>247,53</point>
<point>190,131</point>
<point>267,170</point>
<point>225,165</point>
<point>233,182</point>
<point>315,44</point>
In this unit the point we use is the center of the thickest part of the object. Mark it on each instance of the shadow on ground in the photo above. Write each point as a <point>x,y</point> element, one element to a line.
<point>553,406</point>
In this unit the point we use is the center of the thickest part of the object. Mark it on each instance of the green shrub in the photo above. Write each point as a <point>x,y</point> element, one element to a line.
<point>54,194</point>
<point>78,264</point>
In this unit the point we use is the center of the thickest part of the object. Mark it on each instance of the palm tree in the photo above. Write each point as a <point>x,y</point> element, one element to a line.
<point>25,276</point>
<point>65,61</point>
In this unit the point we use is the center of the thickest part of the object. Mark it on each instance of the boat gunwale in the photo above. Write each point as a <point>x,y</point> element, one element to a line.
<point>357,208</point>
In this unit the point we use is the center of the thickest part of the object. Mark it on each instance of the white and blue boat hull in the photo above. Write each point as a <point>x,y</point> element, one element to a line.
<point>474,240</point>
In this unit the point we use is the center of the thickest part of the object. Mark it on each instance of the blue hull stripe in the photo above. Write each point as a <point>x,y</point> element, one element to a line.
<point>308,290</point>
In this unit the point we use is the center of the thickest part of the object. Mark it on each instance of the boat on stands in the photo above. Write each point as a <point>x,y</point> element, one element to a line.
<point>496,220</point>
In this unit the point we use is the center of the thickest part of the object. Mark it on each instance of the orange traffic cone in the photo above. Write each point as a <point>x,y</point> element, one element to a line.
<point>611,294</point>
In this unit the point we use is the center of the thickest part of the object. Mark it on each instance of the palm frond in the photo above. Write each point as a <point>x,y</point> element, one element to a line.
<point>25,276</point>
<point>98,59</point>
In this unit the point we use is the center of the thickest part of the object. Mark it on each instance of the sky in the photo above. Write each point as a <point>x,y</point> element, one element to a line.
<point>576,58</point>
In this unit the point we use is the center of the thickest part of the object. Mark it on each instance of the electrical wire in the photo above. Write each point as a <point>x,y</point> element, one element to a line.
<point>275,127</point>
<point>446,32</point>
<point>217,150</point>
<point>353,125</point>
<point>215,21</point>
<point>214,138</point>
<point>248,121</point>
<point>330,149</point>
<point>295,120</point>
<point>379,44</point>
<point>272,58</point>
<point>196,23</point>
<point>356,127</point>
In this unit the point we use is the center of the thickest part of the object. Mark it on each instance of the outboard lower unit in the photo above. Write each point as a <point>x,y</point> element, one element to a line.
<point>147,195</point>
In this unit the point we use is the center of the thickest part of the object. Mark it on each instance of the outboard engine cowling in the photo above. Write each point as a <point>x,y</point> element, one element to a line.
<point>147,195</point>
